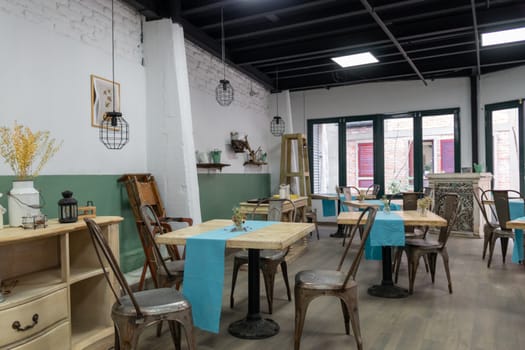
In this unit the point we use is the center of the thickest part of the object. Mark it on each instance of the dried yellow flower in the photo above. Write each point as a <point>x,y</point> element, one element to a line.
<point>25,151</point>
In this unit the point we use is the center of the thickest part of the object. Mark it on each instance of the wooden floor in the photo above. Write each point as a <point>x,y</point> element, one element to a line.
<point>486,310</point>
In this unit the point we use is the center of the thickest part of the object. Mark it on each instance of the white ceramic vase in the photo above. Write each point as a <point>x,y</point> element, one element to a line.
<point>24,200</point>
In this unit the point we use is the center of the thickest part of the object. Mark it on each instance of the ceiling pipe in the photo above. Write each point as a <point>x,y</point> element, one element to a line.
<point>393,38</point>
<point>476,33</point>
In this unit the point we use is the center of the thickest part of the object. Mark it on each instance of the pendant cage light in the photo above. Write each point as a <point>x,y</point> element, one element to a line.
<point>277,125</point>
<point>223,91</point>
<point>114,129</point>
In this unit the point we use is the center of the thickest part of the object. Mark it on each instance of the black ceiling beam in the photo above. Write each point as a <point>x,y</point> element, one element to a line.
<point>210,7</point>
<point>207,43</point>
<point>317,21</point>
<point>280,11</point>
<point>148,8</point>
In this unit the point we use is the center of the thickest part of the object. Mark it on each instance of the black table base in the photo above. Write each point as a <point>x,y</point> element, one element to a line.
<point>253,326</point>
<point>254,329</point>
<point>387,289</point>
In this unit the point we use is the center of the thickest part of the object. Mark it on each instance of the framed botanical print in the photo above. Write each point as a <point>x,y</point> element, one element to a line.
<point>102,99</point>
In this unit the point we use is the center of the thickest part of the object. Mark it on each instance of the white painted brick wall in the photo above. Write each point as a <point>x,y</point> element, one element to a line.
<point>88,21</point>
<point>205,71</point>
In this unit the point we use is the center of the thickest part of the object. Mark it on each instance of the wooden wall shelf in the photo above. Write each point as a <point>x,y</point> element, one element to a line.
<point>251,162</point>
<point>212,165</point>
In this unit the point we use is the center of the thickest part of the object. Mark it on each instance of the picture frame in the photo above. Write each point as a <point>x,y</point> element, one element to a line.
<point>102,99</point>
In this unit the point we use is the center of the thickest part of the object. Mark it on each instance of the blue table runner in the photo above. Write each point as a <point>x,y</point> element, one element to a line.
<point>517,211</point>
<point>388,230</point>
<point>204,272</point>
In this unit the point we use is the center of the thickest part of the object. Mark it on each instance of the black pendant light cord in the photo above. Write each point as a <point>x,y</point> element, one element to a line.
<point>113,51</point>
<point>222,44</point>
<point>277,93</point>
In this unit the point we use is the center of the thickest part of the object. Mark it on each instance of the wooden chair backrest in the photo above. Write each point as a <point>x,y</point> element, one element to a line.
<point>449,211</point>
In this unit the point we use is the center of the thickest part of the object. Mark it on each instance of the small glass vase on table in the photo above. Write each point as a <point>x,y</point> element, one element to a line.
<point>238,219</point>
<point>423,205</point>
<point>386,205</point>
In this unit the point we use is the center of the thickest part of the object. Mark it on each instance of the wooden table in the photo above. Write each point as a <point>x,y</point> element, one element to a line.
<point>278,236</point>
<point>387,289</point>
<point>299,202</point>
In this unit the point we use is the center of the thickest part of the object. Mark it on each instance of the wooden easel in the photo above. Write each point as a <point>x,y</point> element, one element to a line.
<point>295,165</point>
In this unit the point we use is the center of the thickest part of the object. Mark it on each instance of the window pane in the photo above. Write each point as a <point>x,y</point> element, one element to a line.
<point>325,157</point>
<point>399,155</point>
<point>438,145</point>
<point>360,154</point>
<point>506,151</point>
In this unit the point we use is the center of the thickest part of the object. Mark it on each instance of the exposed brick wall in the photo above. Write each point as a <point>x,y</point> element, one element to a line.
<point>87,21</point>
<point>205,71</point>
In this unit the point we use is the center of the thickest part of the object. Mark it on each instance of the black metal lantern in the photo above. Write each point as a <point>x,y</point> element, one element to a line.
<point>114,130</point>
<point>67,208</point>
<point>277,126</point>
<point>223,91</point>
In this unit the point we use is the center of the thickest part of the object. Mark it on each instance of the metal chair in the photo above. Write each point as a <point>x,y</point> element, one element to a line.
<point>501,203</point>
<point>373,190</point>
<point>269,260</point>
<point>311,284</point>
<point>416,248</point>
<point>489,227</point>
<point>132,312</point>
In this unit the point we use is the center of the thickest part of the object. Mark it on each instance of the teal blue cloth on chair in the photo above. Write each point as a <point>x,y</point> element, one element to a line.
<point>204,273</point>
<point>387,230</point>
<point>516,212</point>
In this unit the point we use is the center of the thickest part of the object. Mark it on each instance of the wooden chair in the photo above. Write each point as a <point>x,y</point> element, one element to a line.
<point>311,216</point>
<point>489,227</point>
<point>134,311</point>
<point>501,203</point>
<point>311,284</point>
<point>349,192</point>
<point>142,190</point>
<point>168,273</point>
<point>416,248</point>
<point>269,260</point>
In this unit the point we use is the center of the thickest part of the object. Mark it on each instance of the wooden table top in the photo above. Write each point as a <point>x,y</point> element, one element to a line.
<point>247,208</point>
<point>361,204</point>
<point>519,224</point>
<point>410,218</point>
<point>277,236</point>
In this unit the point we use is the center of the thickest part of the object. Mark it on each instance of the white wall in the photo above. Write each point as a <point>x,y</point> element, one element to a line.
<point>49,50</point>
<point>212,123</point>
<point>388,97</point>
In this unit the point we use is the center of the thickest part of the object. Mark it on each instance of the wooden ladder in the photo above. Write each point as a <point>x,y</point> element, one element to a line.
<point>295,165</point>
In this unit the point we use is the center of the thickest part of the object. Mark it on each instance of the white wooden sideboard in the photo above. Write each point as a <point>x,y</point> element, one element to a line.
<point>58,297</point>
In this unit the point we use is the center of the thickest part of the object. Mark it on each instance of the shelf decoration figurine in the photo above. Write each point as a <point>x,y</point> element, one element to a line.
<point>215,156</point>
<point>238,219</point>
<point>26,152</point>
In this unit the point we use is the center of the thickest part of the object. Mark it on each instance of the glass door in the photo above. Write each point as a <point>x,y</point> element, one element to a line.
<point>399,154</point>
<point>325,157</point>
<point>360,153</point>
<point>504,140</point>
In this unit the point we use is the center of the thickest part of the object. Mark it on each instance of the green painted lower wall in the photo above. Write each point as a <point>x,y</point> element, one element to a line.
<point>219,193</point>
<point>109,197</point>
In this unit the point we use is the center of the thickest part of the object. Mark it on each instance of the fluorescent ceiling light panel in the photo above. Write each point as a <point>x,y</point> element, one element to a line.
<point>503,37</point>
<point>355,60</point>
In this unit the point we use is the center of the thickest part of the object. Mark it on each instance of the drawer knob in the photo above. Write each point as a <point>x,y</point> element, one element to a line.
<point>16,325</point>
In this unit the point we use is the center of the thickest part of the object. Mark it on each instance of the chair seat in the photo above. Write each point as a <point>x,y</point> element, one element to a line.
<point>504,233</point>
<point>423,243</point>
<point>322,279</point>
<point>267,254</point>
<point>152,302</point>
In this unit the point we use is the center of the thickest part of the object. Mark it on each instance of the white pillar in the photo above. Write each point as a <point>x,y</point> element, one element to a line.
<point>170,146</point>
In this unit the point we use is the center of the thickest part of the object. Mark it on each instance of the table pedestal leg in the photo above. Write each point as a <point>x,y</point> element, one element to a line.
<point>253,326</point>
<point>387,289</point>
